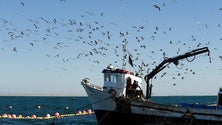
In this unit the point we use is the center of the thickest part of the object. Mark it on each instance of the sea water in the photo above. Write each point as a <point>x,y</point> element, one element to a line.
<point>40,106</point>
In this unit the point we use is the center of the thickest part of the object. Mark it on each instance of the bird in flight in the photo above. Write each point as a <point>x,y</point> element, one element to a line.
<point>157,7</point>
<point>220,57</point>
<point>22,4</point>
<point>14,49</point>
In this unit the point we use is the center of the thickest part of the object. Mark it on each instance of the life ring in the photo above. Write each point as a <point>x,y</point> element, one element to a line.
<point>112,92</point>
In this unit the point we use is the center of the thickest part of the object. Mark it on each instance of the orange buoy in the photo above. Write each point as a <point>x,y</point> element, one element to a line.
<point>57,115</point>
<point>13,116</point>
<point>4,116</point>
<point>9,116</point>
<point>47,116</point>
<point>33,116</point>
<point>89,111</point>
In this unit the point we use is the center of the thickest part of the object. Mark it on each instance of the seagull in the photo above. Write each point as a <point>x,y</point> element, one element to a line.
<point>220,57</point>
<point>31,44</point>
<point>35,26</point>
<point>22,4</point>
<point>14,49</point>
<point>157,7</point>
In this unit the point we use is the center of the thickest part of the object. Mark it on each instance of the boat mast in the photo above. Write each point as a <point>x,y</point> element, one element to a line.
<point>166,62</point>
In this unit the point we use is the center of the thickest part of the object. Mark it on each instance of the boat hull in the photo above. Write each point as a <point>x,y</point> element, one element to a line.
<point>115,117</point>
<point>110,109</point>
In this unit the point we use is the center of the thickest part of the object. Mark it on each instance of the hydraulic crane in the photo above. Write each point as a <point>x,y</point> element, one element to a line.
<point>166,62</point>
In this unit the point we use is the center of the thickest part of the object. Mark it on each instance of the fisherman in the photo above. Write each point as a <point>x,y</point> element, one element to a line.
<point>134,86</point>
<point>135,83</point>
<point>128,85</point>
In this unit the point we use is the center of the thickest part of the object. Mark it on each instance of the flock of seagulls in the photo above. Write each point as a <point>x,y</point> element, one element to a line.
<point>93,41</point>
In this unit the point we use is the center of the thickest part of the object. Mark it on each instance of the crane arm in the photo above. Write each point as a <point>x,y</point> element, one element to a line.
<point>174,60</point>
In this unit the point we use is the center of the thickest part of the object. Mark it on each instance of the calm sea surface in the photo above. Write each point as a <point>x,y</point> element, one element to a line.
<point>40,106</point>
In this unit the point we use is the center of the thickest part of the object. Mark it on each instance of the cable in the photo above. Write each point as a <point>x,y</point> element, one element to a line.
<point>108,112</point>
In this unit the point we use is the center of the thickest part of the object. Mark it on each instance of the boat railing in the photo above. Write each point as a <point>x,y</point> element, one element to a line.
<point>200,106</point>
<point>86,82</point>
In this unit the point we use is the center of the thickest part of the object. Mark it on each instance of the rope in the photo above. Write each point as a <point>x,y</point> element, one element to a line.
<point>103,117</point>
<point>92,103</point>
<point>85,106</point>
<point>108,113</point>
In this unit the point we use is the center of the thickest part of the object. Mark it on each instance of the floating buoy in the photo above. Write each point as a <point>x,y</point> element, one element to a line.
<point>13,116</point>
<point>57,115</point>
<point>47,115</point>
<point>39,107</point>
<point>27,117</point>
<point>9,116</point>
<point>4,116</point>
<point>84,112</point>
<point>33,116</point>
<point>79,113</point>
<point>19,116</point>
<point>89,111</point>
<point>67,107</point>
<point>10,107</point>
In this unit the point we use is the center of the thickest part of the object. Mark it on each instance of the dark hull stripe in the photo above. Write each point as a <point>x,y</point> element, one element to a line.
<point>115,118</point>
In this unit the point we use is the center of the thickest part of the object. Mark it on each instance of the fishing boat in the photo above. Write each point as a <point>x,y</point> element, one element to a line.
<point>122,101</point>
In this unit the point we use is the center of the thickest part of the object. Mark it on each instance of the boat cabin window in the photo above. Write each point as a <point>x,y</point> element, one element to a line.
<point>110,78</point>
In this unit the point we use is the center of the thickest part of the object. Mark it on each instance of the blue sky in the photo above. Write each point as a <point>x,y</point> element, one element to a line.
<point>47,47</point>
